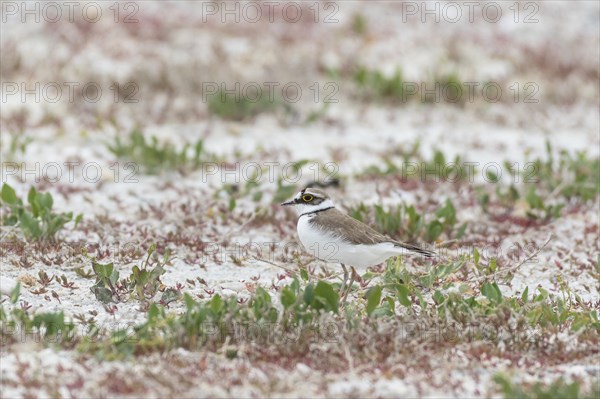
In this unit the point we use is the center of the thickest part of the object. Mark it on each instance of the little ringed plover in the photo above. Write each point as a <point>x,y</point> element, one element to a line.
<point>333,236</point>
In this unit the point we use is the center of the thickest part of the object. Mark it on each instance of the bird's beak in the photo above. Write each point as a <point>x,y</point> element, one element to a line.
<point>290,202</point>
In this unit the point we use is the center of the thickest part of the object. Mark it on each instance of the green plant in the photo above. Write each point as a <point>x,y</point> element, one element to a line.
<point>48,327</point>
<point>219,320</point>
<point>37,220</point>
<point>105,289</point>
<point>538,209</point>
<point>572,175</point>
<point>299,302</point>
<point>410,164</point>
<point>243,106</point>
<point>451,88</point>
<point>405,223</point>
<point>546,184</point>
<point>303,307</point>
<point>359,24</point>
<point>17,147</point>
<point>405,285</point>
<point>558,389</point>
<point>376,85</point>
<point>157,157</point>
<point>463,305</point>
<point>143,282</point>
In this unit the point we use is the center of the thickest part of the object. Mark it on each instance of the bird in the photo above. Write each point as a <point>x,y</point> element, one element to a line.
<point>335,237</point>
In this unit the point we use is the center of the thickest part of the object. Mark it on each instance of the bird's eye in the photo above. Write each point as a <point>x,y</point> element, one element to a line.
<point>307,198</point>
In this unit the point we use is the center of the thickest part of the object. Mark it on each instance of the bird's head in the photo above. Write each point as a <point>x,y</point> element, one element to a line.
<point>310,200</point>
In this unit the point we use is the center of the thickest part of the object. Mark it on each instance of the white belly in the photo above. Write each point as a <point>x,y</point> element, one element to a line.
<point>333,250</point>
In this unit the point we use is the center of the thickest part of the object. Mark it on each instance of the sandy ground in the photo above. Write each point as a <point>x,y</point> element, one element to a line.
<point>169,55</point>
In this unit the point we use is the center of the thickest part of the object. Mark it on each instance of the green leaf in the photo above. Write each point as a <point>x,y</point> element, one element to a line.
<point>114,276</point>
<point>30,225</point>
<point>15,293</point>
<point>8,195</point>
<point>434,230</point>
<point>103,270</point>
<point>438,297</point>
<point>154,274</point>
<point>492,292</point>
<point>102,294</point>
<point>542,295</point>
<point>261,299</point>
<point>304,274</point>
<point>33,201</point>
<point>153,312</point>
<point>325,293</point>
<point>45,201</point>
<point>525,294</point>
<point>295,286</point>
<point>216,304</point>
<point>402,291</point>
<point>534,200</point>
<point>10,220</point>
<point>56,222</point>
<point>189,302</point>
<point>476,257</point>
<point>288,298</point>
<point>461,230</point>
<point>232,204</point>
<point>309,294</point>
<point>391,304</point>
<point>493,266</point>
<point>373,298</point>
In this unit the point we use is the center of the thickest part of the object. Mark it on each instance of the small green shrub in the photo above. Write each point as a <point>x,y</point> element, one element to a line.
<point>410,164</point>
<point>16,148</point>
<point>36,221</point>
<point>376,85</point>
<point>155,157</point>
<point>143,282</point>
<point>242,107</point>
<point>47,327</point>
<point>572,175</point>
<point>558,389</point>
<point>405,223</point>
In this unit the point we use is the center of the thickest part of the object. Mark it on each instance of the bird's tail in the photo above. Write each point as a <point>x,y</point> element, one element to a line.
<point>425,252</point>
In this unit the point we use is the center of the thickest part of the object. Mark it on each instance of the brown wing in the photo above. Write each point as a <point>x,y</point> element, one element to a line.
<point>340,224</point>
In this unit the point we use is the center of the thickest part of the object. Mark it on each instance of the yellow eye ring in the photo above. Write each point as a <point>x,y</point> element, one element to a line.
<point>307,198</point>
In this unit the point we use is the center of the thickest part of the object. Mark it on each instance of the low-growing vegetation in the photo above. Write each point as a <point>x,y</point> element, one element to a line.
<point>143,283</point>
<point>432,299</point>
<point>36,220</point>
<point>405,223</point>
<point>17,146</point>
<point>569,176</point>
<point>155,157</point>
<point>242,106</point>
<point>558,389</point>
<point>375,85</point>
<point>410,164</point>
<point>542,188</point>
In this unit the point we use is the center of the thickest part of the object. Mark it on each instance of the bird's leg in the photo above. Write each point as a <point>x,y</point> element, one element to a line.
<point>353,278</point>
<point>345,278</point>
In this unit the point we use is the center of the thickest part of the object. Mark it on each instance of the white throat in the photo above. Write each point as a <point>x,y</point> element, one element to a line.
<point>304,209</point>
